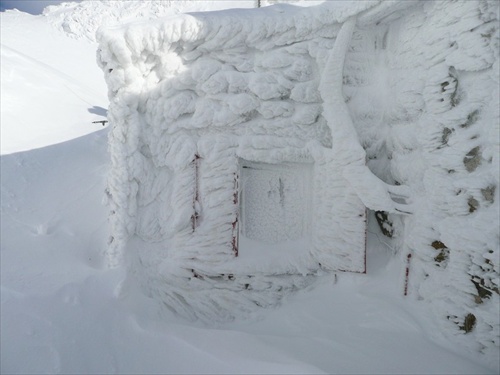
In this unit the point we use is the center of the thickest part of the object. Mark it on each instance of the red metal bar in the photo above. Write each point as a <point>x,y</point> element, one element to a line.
<point>407,273</point>
<point>366,236</point>
<point>235,222</point>
<point>196,215</point>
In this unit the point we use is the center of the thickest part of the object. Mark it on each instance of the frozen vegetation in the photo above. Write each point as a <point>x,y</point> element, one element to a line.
<point>319,112</point>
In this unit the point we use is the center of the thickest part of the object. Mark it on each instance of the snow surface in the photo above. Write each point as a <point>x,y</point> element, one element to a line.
<point>63,310</point>
<point>35,75</point>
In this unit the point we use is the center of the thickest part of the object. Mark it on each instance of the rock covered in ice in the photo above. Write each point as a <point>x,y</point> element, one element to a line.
<point>423,94</point>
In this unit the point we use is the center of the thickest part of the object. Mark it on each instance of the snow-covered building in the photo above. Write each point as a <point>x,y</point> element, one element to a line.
<point>246,146</point>
<point>223,159</point>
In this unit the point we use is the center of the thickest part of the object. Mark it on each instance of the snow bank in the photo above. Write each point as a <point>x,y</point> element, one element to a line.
<point>35,75</point>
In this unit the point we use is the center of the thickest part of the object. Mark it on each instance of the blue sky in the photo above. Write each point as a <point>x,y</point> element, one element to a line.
<point>29,6</point>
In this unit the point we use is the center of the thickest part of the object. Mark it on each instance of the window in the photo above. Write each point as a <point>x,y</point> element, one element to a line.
<point>275,203</point>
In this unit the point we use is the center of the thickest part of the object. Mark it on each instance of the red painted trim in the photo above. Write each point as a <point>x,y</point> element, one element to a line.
<point>366,235</point>
<point>195,217</point>
<point>407,273</point>
<point>235,224</point>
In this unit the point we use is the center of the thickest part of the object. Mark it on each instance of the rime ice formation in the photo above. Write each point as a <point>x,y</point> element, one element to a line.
<point>422,90</point>
<point>374,193</point>
<point>216,119</point>
<point>81,20</point>
<point>410,88</point>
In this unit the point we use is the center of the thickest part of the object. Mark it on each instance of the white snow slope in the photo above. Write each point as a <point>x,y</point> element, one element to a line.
<point>61,308</point>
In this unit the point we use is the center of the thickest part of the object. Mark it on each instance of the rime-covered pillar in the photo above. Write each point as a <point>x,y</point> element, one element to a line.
<point>374,193</point>
<point>344,138</point>
<point>340,215</point>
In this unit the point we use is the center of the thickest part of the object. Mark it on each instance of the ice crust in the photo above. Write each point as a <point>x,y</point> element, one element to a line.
<point>417,99</point>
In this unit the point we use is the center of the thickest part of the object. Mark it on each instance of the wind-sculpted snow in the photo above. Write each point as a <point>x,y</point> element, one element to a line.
<point>82,20</point>
<point>417,98</point>
<point>190,96</point>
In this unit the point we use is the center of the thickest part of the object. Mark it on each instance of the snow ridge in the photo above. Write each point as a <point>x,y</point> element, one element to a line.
<point>82,20</point>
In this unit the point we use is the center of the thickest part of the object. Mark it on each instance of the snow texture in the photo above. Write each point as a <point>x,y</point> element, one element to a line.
<point>417,99</point>
<point>275,201</point>
<point>81,20</point>
<point>192,98</point>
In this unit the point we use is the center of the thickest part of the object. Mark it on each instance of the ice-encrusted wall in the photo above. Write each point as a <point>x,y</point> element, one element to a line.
<point>423,93</point>
<point>192,95</point>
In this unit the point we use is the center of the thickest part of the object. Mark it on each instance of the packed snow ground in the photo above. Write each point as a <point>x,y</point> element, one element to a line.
<point>61,308</point>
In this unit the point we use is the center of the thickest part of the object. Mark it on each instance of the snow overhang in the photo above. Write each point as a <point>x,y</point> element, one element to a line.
<point>262,28</point>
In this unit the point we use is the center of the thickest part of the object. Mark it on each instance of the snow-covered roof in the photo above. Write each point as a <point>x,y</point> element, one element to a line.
<point>197,33</point>
<point>256,71</point>
<point>284,23</point>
